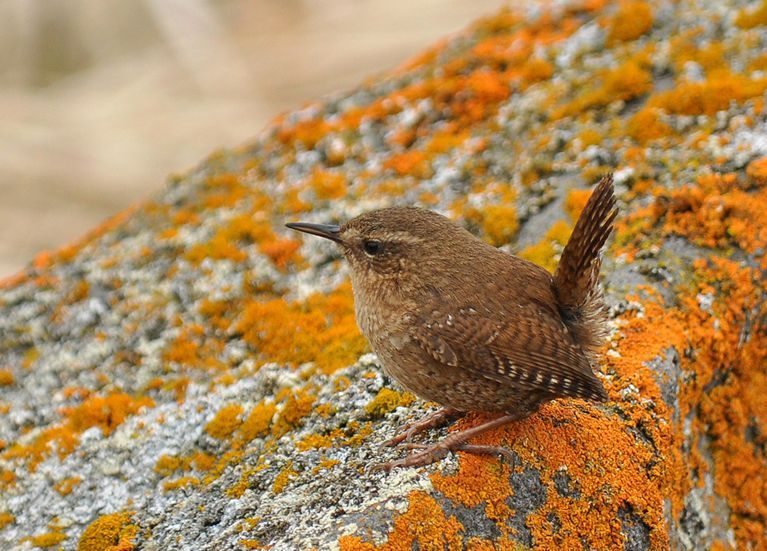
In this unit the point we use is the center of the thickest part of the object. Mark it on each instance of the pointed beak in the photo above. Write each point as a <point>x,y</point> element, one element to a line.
<point>328,231</point>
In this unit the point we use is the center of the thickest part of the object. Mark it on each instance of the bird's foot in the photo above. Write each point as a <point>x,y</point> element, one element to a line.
<point>433,453</point>
<point>455,442</point>
<point>430,421</point>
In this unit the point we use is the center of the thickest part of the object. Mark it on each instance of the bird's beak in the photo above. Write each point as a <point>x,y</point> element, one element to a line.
<point>328,231</point>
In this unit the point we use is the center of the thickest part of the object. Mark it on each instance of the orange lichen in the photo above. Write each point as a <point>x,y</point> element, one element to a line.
<point>628,81</point>
<point>544,253</point>
<point>193,348</point>
<point>79,292</point>
<point>750,18</point>
<point>66,485</point>
<point>710,57</point>
<point>757,171</point>
<point>715,212</point>
<point>224,190</point>
<point>7,478</point>
<point>258,421</point>
<point>6,518</point>
<point>297,406</point>
<point>590,136</point>
<point>445,140</point>
<point>424,526</point>
<point>281,252</point>
<point>315,441</point>
<point>632,20</point>
<point>499,223</point>
<point>251,544</point>
<point>536,70</point>
<point>409,163</point>
<point>168,464</point>
<point>328,185</point>
<point>645,126</point>
<point>218,248</point>
<point>225,422</point>
<point>321,329</point>
<point>575,202</point>
<point>358,433</point>
<point>388,400</point>
<point>44,541</point>
<point>30,357</point>
<point>480,482</point>
<point>182,482</point>
<point>107,412</point>
<point>6,377</point>
<point>708,97</point>
<point>307,133</point>
<point>113,532</point>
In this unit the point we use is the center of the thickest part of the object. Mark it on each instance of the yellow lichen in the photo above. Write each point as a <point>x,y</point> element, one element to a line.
<point>387,400</point>
<point>544,253</point>
<point>424,526</point>
<point>632,20</point>
<point>750,18</point>
<point>708,97</point>
<point>626,82</point>
<point>6,377</point>
<point>316,441</point>
<point>49,539</point>
<point>225,422</point>
<point>6,518</point>
<point>181,482</point>
<point>321,329</point>
<point>757,171</point>
<point>168,464</point>
<point>113,532</point>
<point>258,421</point>
<point>645,125</point>
<point>107,412</point>
<point>409,163</point>
<point>66,485</point>
<point>328,185</point>
<point>575,202</point>
<point>499,224</point>
<point>536,70</point>
<point>284,477</point>
<point>297,406</point>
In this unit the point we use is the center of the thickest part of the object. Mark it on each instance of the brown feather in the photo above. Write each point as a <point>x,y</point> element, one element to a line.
<point>576,281</point>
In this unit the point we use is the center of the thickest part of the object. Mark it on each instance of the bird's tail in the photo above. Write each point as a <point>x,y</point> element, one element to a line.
<point>576,280</point>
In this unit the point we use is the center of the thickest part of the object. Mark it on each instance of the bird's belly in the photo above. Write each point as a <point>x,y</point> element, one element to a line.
<point>454,387</point>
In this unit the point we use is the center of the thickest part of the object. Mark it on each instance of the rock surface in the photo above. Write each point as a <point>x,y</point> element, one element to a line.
<point>190,376</point>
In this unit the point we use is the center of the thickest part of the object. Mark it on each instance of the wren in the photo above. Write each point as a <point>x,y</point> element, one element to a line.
<point>458,322</point>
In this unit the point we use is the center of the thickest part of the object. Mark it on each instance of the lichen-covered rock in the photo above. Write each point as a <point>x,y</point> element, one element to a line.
<point>190,375</point>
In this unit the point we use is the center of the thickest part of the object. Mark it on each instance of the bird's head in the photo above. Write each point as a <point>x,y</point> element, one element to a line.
<point>394,247</point>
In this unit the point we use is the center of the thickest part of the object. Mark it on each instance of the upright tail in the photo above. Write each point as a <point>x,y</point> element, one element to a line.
<point>576,281</point>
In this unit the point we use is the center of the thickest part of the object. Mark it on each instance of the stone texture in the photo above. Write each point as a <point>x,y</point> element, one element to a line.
<point>189,375</point>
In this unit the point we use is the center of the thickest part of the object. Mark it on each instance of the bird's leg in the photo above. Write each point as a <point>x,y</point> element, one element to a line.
<point>453,442</point>
<point>430,421</point>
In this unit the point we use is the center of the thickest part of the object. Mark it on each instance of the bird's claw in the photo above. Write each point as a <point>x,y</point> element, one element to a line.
<point>431,454</point>
<point>412,429</point>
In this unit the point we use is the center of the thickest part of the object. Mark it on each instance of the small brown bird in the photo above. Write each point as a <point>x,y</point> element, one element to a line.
<point>459,322</point>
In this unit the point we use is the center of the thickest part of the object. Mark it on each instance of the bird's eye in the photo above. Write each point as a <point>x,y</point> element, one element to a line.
<point>372,247</point>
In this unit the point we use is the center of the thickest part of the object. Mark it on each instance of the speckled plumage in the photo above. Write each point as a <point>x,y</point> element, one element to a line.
<point>459,322</point>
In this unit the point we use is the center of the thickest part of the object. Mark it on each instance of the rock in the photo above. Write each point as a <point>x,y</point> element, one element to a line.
<point>190,376</point>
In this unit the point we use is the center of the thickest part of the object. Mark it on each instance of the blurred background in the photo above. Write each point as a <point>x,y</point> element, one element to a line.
<point>101,99</point>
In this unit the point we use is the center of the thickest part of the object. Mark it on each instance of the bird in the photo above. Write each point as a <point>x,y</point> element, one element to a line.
<point>459,322</point>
